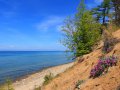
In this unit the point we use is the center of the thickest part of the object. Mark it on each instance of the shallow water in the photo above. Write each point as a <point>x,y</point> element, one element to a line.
<point>15,64</point>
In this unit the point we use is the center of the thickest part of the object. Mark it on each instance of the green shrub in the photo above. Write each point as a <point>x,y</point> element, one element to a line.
<point>9,84</point>
<point>48,78</point>
<point>37,88</point>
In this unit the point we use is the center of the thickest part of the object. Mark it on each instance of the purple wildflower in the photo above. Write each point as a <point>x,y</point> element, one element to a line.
<point>103,63</point>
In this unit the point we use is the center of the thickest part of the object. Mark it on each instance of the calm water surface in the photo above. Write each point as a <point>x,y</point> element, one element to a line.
<point>15,64</point>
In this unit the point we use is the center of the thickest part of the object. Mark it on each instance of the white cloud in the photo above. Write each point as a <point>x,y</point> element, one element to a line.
<point>53,22</point>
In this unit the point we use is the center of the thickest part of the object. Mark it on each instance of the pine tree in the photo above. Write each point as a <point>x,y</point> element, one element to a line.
<point>116,4</point>
<point>102,11</point>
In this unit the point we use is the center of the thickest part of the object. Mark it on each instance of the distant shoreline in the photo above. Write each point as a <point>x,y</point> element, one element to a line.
<point>33,51</point>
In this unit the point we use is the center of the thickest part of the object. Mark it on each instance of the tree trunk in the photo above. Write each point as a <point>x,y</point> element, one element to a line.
<point>104,15</point>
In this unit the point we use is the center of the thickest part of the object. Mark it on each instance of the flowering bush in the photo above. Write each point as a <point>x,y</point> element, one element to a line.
<point>103,64</point>
<point>107,50</point>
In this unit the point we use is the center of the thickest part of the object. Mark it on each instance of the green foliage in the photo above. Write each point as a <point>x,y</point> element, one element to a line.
<point>108,10</point>
<point>81,10</point>
<point>82,34</point>
<point>97,13</point>
<point>83,31</point>
<point>116,5</point>
<point>102,11</point>
<point>9,84</point>
<point>37,88</point>
<point>88,32</point>
<point>48,78</point>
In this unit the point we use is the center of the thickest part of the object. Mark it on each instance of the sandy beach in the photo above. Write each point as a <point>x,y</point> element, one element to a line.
<point>35,80</point>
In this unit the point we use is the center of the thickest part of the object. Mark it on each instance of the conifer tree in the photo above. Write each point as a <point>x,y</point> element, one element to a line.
<point>102,11</point>
<point>81,32</point>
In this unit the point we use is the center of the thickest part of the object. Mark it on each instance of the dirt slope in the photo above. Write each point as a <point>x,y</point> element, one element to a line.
<point>81,71</point>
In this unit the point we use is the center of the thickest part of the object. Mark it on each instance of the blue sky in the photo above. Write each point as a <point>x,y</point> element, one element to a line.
<point>35,24</point>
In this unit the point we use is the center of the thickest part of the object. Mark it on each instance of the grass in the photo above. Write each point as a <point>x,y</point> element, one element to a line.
<point>7,85</point>
<point>37,88</point>
<point>48,78</point>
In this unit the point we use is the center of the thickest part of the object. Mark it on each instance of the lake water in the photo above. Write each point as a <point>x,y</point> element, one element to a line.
<point>15,64</point>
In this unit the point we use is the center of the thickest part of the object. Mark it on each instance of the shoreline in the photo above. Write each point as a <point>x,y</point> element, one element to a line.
<point>38,71</point>
<point>30,81</point>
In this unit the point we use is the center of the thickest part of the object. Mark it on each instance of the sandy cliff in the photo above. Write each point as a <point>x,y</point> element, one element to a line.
<point>81,71</point>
